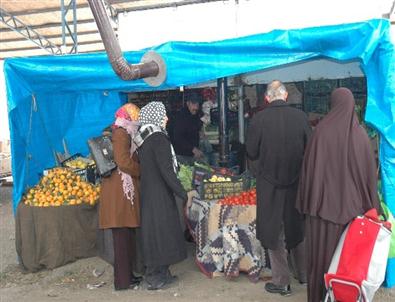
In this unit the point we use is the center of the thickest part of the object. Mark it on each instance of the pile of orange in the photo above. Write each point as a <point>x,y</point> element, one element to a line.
<point>61,187</point>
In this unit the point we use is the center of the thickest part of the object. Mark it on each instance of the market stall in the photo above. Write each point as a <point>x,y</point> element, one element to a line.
<point>54,236</point>
<point>56,222</point>
<point>225,239</point>
<point>222,221</point>
<point>74,97</point>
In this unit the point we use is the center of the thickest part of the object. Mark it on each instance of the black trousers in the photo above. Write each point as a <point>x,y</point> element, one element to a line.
<point>124,253</point>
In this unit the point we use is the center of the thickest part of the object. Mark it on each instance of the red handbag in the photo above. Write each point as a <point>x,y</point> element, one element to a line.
<point>358,265</point>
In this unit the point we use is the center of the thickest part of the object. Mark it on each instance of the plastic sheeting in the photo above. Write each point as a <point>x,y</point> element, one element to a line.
<point>70,99</point>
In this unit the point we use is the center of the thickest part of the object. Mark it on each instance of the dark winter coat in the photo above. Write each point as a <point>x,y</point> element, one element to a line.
<point>162,237</point>
<point>185,132</point>
<point>277,138</point>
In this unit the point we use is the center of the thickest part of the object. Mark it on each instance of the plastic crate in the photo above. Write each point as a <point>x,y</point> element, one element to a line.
<point>355,84</point>
<point>217,190</point>
<point>319,87</point>
<point>317,104</point>
<point>199,175</point>
<point>87,174</point>
<point>73,157</point>
<point>232,116</point>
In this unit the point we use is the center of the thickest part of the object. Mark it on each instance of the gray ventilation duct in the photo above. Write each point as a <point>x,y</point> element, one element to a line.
<point>151,68</point>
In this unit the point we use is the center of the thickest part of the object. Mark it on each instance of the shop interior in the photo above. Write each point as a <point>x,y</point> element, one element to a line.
<point>244,97</point>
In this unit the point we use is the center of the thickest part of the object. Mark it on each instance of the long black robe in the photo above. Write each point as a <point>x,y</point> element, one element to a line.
<point>162,236</point>
<point>277,137</point>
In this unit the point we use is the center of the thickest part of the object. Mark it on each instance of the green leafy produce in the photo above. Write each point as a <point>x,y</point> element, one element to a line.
<point>203,166</point>
<point>390,218</point>
<point>185,177</point>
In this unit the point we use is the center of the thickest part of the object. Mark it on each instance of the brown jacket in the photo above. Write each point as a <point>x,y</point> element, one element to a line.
<point>115,209</point>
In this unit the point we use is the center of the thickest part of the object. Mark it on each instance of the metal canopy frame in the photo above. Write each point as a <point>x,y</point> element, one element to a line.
<point>13,23</point>
<point>57,34</point>
<point>69,28</point>
<point>66,30</point>
<point>72,32</point>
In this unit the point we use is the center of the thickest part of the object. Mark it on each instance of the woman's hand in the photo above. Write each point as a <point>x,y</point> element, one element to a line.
<point>191,195</point>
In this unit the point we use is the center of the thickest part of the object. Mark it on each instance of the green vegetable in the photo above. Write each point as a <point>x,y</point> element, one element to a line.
<point>390,218</point>
<point>185,177</point>
<point>203,166</point>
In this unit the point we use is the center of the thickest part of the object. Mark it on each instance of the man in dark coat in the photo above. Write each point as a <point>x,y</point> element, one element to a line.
<point>277,138</point>
<point>186,130</point>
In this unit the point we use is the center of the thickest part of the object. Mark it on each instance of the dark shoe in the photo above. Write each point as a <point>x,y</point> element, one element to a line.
<point>188,237</point>
<point>135,280</point>
<point>276,289</point>
<point>169,280</point>
<point>303,283</point>
<point>156,286</point>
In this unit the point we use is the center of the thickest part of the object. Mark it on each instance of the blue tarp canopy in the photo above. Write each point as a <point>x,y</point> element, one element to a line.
<point>74,97</point>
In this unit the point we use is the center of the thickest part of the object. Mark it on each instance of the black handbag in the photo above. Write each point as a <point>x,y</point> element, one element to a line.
<point>102,153</point>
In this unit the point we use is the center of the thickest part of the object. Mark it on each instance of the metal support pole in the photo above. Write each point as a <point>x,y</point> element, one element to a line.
<point>240,91</point>
<point>63,14</point>
<point>68,31</point>
<point>75,48</point>
<point>223,121</point>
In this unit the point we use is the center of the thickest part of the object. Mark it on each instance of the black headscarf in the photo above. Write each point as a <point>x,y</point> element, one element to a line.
<point>338,179</point>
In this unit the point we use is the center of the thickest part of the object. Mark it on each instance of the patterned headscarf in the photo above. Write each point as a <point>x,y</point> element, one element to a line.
<point>126,117</point>
<point>153,113</point>
<point>128,111</point>
<point>151,118</point>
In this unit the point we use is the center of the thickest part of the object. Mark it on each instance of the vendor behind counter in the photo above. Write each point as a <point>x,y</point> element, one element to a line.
<point>184,130</point>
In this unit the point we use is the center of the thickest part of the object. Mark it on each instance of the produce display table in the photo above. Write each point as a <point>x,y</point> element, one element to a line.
<point>225,239</point>
<point>48,237</point>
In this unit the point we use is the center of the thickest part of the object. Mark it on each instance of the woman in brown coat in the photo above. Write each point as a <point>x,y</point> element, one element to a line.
<point>119,197</point>
<point>338,182</point>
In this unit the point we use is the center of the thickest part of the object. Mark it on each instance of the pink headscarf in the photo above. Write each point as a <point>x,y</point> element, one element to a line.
<point>126,117</point>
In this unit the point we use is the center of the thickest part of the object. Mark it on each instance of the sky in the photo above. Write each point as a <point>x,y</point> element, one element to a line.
<point>221,20</point>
